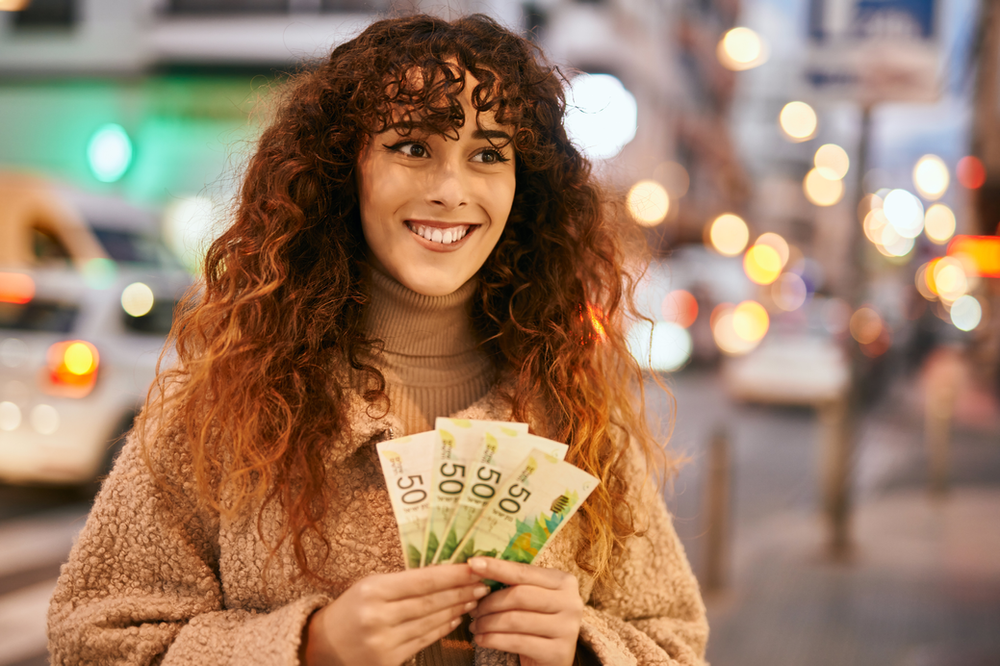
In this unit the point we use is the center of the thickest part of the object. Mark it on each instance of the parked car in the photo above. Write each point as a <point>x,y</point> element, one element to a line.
<point>87,295</point>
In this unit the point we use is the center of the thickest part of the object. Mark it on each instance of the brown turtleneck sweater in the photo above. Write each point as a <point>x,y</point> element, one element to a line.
<point>431,362</point>
<point>432,368</point>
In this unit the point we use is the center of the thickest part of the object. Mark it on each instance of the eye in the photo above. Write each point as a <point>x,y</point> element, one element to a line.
<point>409,148</point>
<point>490,156</point>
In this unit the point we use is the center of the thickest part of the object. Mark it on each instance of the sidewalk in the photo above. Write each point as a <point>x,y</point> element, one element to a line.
<point>922,586</point>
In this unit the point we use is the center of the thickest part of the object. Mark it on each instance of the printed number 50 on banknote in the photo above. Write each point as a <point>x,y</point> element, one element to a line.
<point>406,464</point>
<point>529,509</point>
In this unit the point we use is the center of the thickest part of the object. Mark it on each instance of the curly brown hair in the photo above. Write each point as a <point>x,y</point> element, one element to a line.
<point>281,306</point>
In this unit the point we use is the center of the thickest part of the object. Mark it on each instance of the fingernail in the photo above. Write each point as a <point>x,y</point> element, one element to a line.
<point>480,591</point>
<point>469,606</point>
<point>478,564</point>
<point>457,621</point>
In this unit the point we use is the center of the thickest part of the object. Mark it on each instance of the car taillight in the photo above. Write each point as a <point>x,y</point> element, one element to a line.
<point>16,288</point>
<point>72,368</point>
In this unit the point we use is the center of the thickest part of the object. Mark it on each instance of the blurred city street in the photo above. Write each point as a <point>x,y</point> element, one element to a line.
<point>818,185</point>
<point>920,587</point>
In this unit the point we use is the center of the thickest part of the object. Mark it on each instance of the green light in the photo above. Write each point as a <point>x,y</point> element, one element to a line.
<point>109,152</point>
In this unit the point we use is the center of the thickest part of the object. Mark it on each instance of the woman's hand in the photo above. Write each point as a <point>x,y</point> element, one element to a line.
<point>384,619</point>
<point>538,617</point>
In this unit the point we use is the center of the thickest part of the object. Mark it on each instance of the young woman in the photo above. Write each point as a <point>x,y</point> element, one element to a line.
<point>415,237</point>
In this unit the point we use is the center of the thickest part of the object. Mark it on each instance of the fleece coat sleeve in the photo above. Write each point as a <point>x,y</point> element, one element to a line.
<point>142,586</point>
<point>654,614</point>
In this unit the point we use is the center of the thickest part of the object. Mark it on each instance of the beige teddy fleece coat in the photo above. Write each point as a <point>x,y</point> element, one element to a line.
<point>156,578</point>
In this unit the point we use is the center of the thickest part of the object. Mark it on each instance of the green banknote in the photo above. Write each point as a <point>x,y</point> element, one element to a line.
<point>534,502</point>
<point>459,439</point>
<point>498,455</point>
<point>406,465</point>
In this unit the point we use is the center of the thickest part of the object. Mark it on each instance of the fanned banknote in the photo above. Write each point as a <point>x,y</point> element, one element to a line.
<point>498,455</point>
<point>459,439</point>
<point>534,502</point>
<point>406,465</point>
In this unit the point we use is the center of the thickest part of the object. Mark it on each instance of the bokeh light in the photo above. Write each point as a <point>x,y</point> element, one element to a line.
<point>966,312</point>
<point>44,419</point>
<point>921,283</point>
<point>868,203</point>
<point>751,321</point>
<point>16,288</point>
<point>762,264</point>
<point>939,224</point>
<point>874,225</point>
<point>79,358</point>
<point>798,121</point>
<point>740,49</point>
<point>777,243</point>
<point>661,346</point>
<point>109,152</point>
<point>832,161</point>
<point>931,177</point>
<point>725,335</point>
<point>648,203</point>
<point>970,172</point>
<point>100,273</point>
<point>947,278</point>
<point>189,224</point>
<point>789,292</point>
<point>680,307</point>
<point>601,115</point>
<point>904,212</point>
<point>729,234</point>
<point>10,416</point>
<point>822,191</point>
<point>866,325</point>
<point>137,299</point>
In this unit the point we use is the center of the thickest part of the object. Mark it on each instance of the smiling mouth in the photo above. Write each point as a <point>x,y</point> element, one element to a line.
<point>438,235</point>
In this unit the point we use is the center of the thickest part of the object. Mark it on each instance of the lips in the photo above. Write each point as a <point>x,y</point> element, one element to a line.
<point>439,234</point>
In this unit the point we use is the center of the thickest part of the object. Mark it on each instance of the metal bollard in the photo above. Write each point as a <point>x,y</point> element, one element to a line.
<point>717,498</point>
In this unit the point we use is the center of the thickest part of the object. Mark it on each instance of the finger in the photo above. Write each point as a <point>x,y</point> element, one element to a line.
<point>418,643</point>
<point>531,647</point>
<point>515,573</point>
<point>526,597</point>
<point>404,610</point>
<point>522,622</point>
<point>421,582</point>
<point>431,623</point>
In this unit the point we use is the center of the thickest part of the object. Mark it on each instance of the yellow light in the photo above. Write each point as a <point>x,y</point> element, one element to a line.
<point>923,286</point>
<point>729,234</point>
<point>832,161</point>
<point>647,203</point>
<point>78,358</point>
<point>750,321</point>
<point>724,333</point>
<point>822,191</point>
<point>762,264</point>
<point>931,177</point>
<point>779,244</point>
<point>868,203</point>
<point>866,326</point>
<point>741,49</point>
<point>939,224</point>
<point>798,121</point>
<point>949,279</point>
<point>137,299</point>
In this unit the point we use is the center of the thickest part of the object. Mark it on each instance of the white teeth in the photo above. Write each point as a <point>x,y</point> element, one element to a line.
<point>446,237</point>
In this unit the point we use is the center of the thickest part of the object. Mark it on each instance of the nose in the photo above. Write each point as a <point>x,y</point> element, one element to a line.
<point>448,187</point>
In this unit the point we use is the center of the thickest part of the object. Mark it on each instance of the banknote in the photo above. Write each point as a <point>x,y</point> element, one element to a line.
<point>455,449</point>
<point>406,465</point>
<point>498,455</point>
<point>534,502</point>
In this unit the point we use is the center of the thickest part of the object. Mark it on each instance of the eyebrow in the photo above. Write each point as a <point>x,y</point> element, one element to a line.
<point>490,134</point>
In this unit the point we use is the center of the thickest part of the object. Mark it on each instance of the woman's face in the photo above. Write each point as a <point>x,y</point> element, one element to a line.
<point>433,208</point>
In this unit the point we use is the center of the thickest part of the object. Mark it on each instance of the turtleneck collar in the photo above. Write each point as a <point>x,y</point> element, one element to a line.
<point>412,324</point>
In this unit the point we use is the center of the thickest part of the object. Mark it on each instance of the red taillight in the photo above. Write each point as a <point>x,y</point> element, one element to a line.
<point>72,368</point>
<point>16,288</point>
